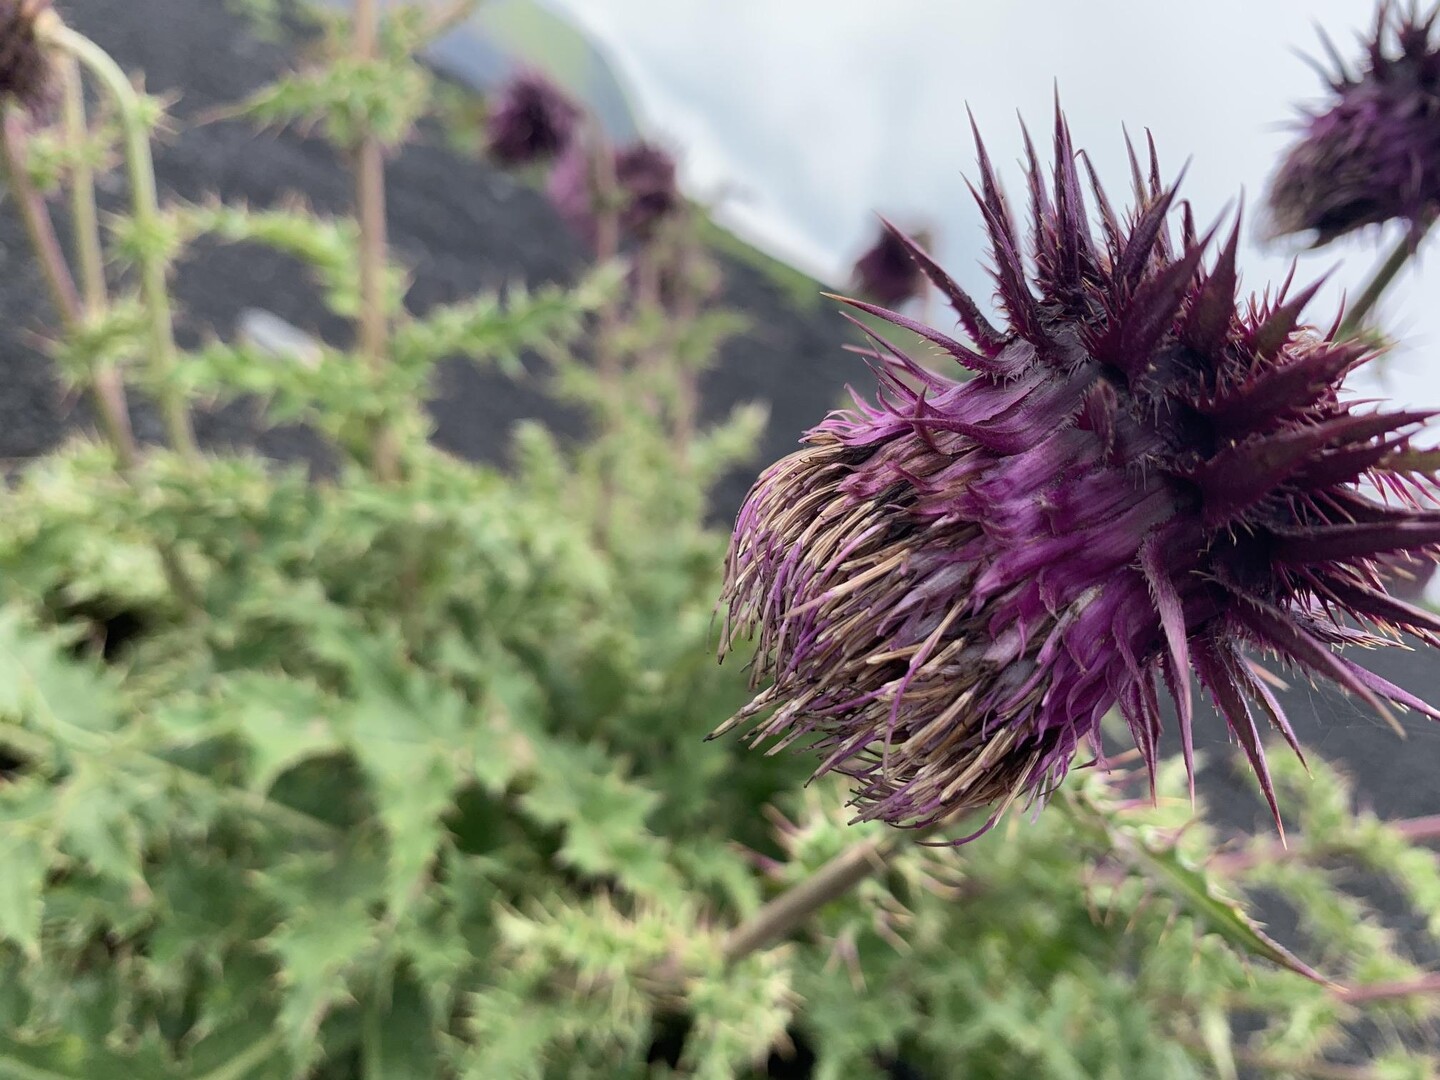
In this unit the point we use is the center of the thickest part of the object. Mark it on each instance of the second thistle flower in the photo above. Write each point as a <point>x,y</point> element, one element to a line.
<point>1371,154</point>
<point>1145,480</point>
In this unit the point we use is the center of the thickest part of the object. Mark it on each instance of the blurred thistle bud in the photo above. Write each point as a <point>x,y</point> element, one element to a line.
<point>649,193</point>
<point>532,120</point>
<point>25,69</point>
<point>636,183</point>
<point>1371,153</point>
<point>1144,479</point>
<point>886,273</point>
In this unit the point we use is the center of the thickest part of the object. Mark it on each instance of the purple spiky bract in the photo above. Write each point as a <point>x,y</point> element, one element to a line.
<point>1371,152</point>
<point>531,121</point>
<point>1142,481</point>
<point>886,273</point>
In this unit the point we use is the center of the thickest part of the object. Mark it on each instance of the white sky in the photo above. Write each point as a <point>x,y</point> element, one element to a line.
<point>810,115</point>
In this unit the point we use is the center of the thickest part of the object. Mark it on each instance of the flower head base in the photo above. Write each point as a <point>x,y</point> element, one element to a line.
<point>25,70</point>
<point>886,273</point>
<point>532,121</point>
<point>1372,154</point>
<point>954,583</point>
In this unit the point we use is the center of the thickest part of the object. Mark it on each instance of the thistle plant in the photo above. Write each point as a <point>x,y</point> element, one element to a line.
<point>953,584</point>
<point>404,774</point>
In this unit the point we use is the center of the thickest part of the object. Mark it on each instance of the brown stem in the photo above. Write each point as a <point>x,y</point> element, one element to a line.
<point>370,206</point>
<point>40,230</point>
<point>790,910</point>
<point>106,387</point>
<point>1360,995</point>
<point>1413,830</point>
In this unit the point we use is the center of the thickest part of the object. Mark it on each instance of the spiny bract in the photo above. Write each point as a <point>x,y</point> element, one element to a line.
<point>1372,152</point>
<point>953,583</point>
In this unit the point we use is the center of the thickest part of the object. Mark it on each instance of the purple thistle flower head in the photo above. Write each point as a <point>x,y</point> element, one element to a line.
<point>1143,482</point>
<point>25,70</point>
<point>645,176</point>
<point>1372,152</point>
<point>886,273</point>
<point>532,121</point>
<point>641,178</point>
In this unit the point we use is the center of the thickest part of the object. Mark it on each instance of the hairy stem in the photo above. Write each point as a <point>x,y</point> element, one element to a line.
<point>790,910</point>
<point>1413,830</point>
<point>39,229</point>
<point>370,207</point>
<point>86,220</point>
<point>107,383</point>
<point>140,167</point>
<point>1384,276</point>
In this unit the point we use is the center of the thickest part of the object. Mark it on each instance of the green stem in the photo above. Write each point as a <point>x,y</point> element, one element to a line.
<point>370,208</point>
<point>107,384</point>
<point>244,1063</point>
<point>86,219</point>
<point>146,209</point>
<point>1384,276</point>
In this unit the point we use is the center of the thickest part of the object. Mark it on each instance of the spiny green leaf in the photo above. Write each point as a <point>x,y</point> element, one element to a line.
<point>1191,888</point>
<point>399,1039</point>
<point>24,862</point>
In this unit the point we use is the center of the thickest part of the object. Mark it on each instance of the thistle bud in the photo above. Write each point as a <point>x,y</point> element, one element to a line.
<point>886,273</point>
<point>532,121</point>
<point>1371,153</point>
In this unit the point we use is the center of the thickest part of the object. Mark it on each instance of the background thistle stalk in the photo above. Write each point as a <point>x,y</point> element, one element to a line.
<point>374,247</point>
<point>144,202</point>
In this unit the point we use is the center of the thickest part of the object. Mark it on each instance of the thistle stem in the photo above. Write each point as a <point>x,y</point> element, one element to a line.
<point>1418,830</point>
<point>1382,279</point>
<point>86,220</point>
<point>39,229</point>
<point>140,166</point>
<point>370,207</point>
<point>791,909</point>
<point>107,384</point>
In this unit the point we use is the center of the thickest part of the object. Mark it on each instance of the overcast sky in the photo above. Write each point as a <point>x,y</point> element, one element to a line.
<point>809,115</point>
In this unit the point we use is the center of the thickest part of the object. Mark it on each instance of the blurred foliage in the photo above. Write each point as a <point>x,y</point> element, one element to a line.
<point>415,785</point>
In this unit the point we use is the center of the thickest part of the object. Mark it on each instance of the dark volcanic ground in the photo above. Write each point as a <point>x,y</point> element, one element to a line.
<point>463,226</point>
